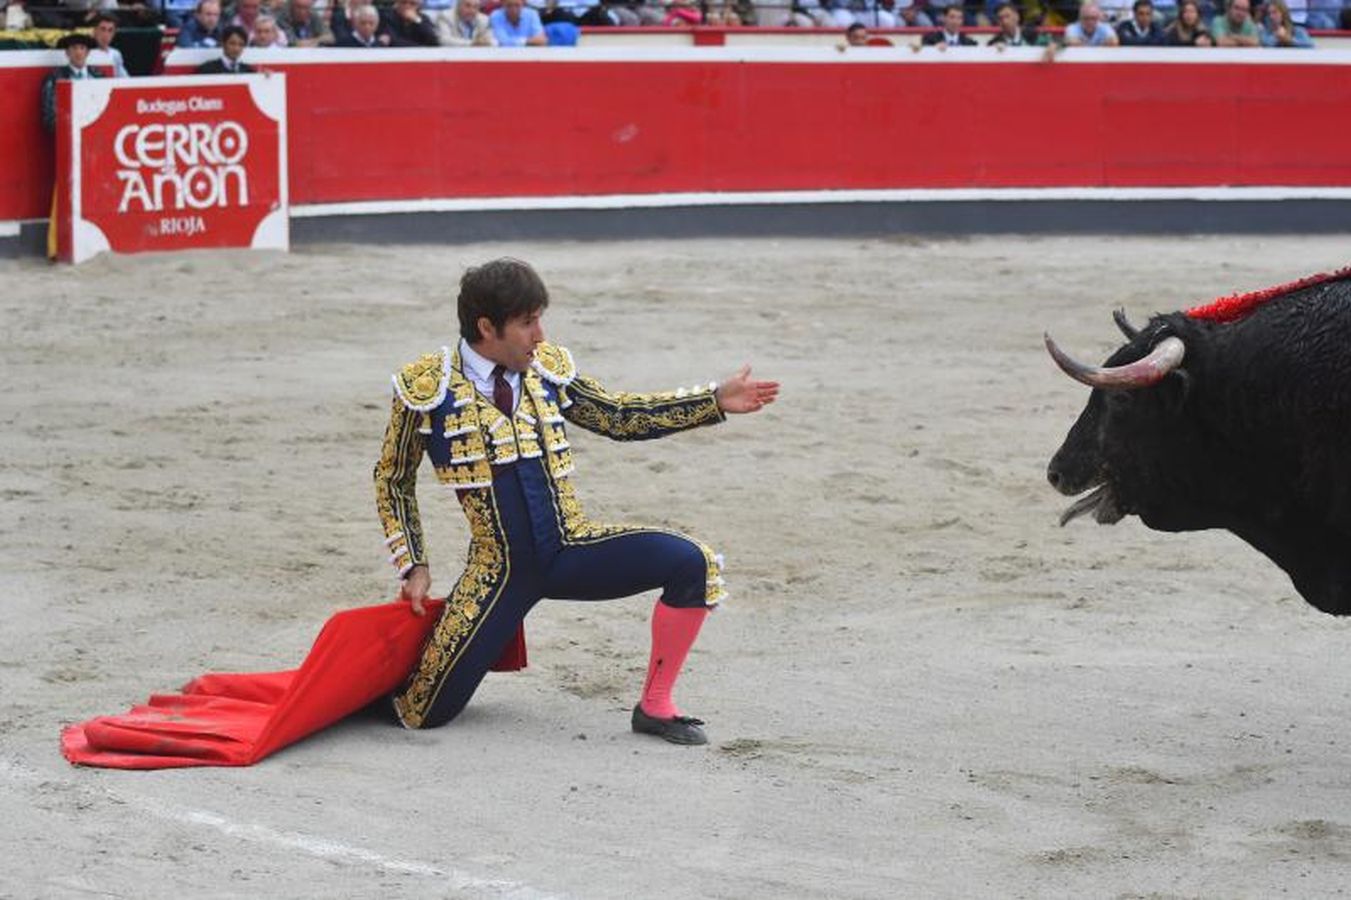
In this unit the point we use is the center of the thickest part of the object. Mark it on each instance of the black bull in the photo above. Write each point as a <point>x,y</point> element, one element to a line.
<point>1245,425</point>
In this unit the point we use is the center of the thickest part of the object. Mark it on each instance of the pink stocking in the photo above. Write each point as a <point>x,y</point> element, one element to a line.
<point>673,632</point>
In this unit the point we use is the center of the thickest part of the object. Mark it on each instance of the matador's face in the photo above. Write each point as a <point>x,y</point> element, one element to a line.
<point>514,346</point>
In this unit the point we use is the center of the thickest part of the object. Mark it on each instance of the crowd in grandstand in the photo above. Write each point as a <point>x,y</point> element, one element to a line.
<point>518,23</point>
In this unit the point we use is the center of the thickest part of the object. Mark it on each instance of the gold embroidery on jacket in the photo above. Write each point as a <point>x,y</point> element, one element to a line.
<point>485,573</point>
<point>554,363</point>
<point>396,482</point>
<point>422,384</point>
<point>470,466</point>
<point>479,434</point>
<point>629,416</point>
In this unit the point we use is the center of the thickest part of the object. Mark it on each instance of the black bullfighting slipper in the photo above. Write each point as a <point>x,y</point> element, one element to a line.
<point>677,729</point>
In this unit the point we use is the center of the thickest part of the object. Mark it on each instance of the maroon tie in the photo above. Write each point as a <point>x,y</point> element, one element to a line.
<point>513,655</point>
<point>502,397</point>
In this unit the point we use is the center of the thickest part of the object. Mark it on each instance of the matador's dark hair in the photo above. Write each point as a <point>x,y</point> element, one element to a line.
<point>501,290</point>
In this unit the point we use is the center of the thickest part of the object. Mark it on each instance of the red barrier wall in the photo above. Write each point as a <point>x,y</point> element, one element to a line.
<point>27,153</point>
<point>441,125</point>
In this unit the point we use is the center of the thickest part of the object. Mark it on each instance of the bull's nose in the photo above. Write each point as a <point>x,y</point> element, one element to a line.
<point>1053,476</point>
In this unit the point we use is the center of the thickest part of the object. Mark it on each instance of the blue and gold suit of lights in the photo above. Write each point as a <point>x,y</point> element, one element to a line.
<point>528,535</point>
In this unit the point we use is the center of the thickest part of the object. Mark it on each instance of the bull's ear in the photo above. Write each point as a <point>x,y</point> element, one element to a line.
<point>1174,390</point>
<point>1129,330</point>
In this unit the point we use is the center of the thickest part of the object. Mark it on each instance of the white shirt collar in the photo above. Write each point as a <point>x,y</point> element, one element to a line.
<point>479,368</point>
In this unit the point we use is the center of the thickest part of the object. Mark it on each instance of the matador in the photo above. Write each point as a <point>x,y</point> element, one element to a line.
<point>492,415</point>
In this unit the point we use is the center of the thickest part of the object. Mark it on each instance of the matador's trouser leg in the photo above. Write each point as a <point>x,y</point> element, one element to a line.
<point>638,561</point>
<point>629,563</point>
<point>497,590</point>
<point>500,584</point>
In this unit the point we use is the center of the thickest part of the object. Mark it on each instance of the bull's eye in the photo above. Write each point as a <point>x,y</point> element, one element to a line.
<point>1120,401</point>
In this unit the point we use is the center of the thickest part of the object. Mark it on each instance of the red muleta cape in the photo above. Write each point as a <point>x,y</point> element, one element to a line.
<point>236,720</point>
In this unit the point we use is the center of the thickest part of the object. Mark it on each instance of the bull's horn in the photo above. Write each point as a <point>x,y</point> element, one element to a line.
<point>1129,330</point>
<point>1164,358</point>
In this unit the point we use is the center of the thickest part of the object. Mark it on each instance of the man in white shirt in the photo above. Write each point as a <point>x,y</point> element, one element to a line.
<point>1090,30</point>
<point>465,26</point>
<point>365,30</point>
<point>104,53</point>
<point>266,34</point>
<point>491,416</point>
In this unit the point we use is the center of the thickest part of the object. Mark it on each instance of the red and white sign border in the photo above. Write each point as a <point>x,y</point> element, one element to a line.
<point>90,97</point>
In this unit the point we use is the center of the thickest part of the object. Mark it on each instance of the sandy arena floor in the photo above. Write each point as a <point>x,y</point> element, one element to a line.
<point>920,687</point>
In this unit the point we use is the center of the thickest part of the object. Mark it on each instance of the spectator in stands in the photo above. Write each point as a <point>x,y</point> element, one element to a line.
<point>910,14</point>
<point>1011,32</point>
<point>950,34</point>
<point>1299,12</point>
<point>408,26</point>
<point>302,27</point>
<point>730,13</point>
<point>77,47</point>
<point>574,12</point>
<point>1187,30</point>
<point>1140,30</point>
<point>632,13</point>
<point>1089,30</point>
<point>246,17</point>
<point>178,13</point>
<point>203,29</point>
<point>266,34</point>
<point>808,14</point>
<point>680,13</point>
<point>342,19</point>
<point>432,8</point>
<point>1279,31</point>
<point>16,17</point>
<point>516,25</point>
<point>1114,11</point>
<point>233,40</point>
<point>1235,28</point>
<point>1330,14</point>
<point>843,13</point>
<point>104,54</point>
<point>365,29</point>
<point>856,35</point>
<point>465,26</point>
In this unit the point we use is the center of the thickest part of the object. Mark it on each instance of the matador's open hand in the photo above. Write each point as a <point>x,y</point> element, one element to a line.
<point>740,394</point>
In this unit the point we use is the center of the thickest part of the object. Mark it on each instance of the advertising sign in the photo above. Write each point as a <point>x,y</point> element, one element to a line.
<point>172,164</point>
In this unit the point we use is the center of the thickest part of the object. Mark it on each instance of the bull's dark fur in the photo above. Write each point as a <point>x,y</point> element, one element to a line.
<point>1251,434</point>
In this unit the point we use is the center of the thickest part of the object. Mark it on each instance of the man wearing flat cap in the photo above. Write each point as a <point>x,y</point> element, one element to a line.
<point>77,47</point>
